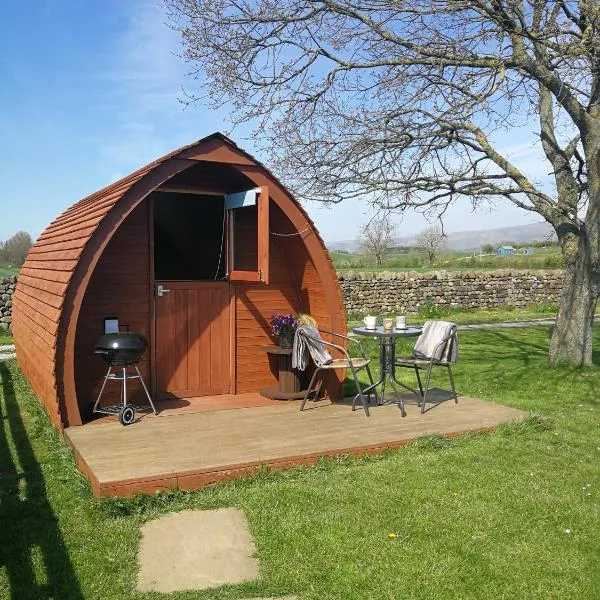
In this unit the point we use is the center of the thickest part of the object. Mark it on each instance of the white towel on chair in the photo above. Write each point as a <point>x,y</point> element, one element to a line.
<point>429,343</point>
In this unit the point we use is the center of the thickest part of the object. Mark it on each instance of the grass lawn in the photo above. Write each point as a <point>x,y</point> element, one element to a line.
<point>511,514</point>
<point>464,316</point>
<point>5,338</point>
<point>6,271</point>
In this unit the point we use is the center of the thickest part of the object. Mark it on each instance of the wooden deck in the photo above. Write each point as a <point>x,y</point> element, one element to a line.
<point>189,450</point>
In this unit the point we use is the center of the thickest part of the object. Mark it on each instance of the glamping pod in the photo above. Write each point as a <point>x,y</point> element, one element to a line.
<point>195,252</point>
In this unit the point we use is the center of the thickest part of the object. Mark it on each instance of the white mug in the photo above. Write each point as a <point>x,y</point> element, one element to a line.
<point>370,322</point>
<point>400,322</point>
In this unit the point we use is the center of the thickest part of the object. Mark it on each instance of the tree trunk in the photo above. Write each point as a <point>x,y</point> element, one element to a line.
<point>572,336</point>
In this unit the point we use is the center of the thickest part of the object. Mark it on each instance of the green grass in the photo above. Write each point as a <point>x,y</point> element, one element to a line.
<point>542,258</point>
<point>481,516</point>
<point>465,316</point>
<point>5,338</point>
<point>6,271</point>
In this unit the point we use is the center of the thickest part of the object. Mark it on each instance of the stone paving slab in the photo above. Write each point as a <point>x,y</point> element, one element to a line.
<point>7,352</point>
<point>196,550</point>
<point>507,324</point>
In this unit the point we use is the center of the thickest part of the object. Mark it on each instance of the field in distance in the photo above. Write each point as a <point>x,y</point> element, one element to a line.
<point>548,257</point>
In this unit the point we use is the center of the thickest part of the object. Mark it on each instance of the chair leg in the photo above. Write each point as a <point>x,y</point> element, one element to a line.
<point>371,384</point>
<point>309,388</point>
<point>427,381</point>
<point>320,386</point>
<point>452,384</point>
<point>419,379</point>
<point>360,394</point>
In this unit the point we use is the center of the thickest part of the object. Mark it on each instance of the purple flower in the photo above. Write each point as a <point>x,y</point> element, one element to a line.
<point>281,322</point>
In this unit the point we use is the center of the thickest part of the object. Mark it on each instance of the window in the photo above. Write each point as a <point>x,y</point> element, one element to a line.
<point>189,237</point>
<point>248,235</point>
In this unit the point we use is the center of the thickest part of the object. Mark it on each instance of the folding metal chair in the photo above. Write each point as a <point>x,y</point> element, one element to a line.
<point>353,364</point>
<point>446,348</point>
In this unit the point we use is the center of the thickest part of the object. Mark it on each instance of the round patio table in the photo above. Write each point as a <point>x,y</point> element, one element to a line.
<point>387,359</point>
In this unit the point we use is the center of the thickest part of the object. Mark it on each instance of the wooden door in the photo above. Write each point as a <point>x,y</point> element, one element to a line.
<point>192,339</point>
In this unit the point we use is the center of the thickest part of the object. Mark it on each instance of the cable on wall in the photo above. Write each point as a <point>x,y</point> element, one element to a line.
<point>290,234</point>
<point>222,241</point>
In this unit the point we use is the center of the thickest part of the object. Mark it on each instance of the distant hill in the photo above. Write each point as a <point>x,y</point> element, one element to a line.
<point>471,240</point>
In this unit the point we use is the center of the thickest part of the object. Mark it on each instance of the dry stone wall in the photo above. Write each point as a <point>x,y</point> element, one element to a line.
<point>7,288</point>
<point>407,292</point>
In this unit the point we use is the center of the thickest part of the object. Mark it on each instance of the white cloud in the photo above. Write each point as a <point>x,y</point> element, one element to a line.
<point>141,91</point>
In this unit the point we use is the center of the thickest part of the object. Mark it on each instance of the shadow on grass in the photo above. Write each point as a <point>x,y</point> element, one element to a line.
<point>511,360</point>
<point>32,550</point>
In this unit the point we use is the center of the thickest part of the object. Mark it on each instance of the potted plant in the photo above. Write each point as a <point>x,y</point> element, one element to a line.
<point>284,327</point>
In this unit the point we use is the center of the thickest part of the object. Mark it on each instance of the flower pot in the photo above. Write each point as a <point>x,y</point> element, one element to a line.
<point>286,337</point>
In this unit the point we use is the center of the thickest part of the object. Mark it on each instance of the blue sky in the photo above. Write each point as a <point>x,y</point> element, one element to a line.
<point>89,92</point>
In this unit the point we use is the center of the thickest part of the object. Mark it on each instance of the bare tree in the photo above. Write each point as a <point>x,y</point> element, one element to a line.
<point>15,249</point>
<point>377,237</point>
<point>432,241</point>
<point>405,102</point>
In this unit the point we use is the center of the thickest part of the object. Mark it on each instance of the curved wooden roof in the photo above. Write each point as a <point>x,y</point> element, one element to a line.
<point>54,277</point>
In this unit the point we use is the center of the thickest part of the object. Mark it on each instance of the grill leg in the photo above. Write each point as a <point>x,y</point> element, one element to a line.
<point>145,389</point>
<point>124,388</point>
<point>102,388</point>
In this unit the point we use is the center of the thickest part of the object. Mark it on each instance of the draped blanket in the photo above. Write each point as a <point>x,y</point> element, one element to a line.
<point>430,341</point>
<point>307,342</point>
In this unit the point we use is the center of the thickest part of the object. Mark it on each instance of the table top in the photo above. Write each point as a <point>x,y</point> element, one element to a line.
<point>381,332</point>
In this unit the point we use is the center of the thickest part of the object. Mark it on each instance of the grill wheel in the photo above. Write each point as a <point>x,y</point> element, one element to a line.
<point>127,415</point>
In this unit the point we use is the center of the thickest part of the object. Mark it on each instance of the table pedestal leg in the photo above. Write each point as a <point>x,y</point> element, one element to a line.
<point>387,358</point>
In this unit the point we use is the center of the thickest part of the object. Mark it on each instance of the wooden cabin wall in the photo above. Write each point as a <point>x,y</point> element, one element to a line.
<point>256,303</point>
<point>37,306</point>
<point>35,353</point>
<point>307,279</point>
<point>119,287</point>
<point>311,289</point>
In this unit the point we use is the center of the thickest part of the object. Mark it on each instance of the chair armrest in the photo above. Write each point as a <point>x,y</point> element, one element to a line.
<point>348,339</point>
<point>330,345</point>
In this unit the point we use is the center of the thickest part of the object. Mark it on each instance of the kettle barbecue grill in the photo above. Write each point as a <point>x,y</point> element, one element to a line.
<point>122,351</point>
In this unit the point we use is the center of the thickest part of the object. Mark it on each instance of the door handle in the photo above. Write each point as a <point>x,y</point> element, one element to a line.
<point>160,290</point>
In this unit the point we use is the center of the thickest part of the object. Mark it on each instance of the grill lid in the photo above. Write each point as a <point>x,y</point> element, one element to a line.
<point>123,348</point>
